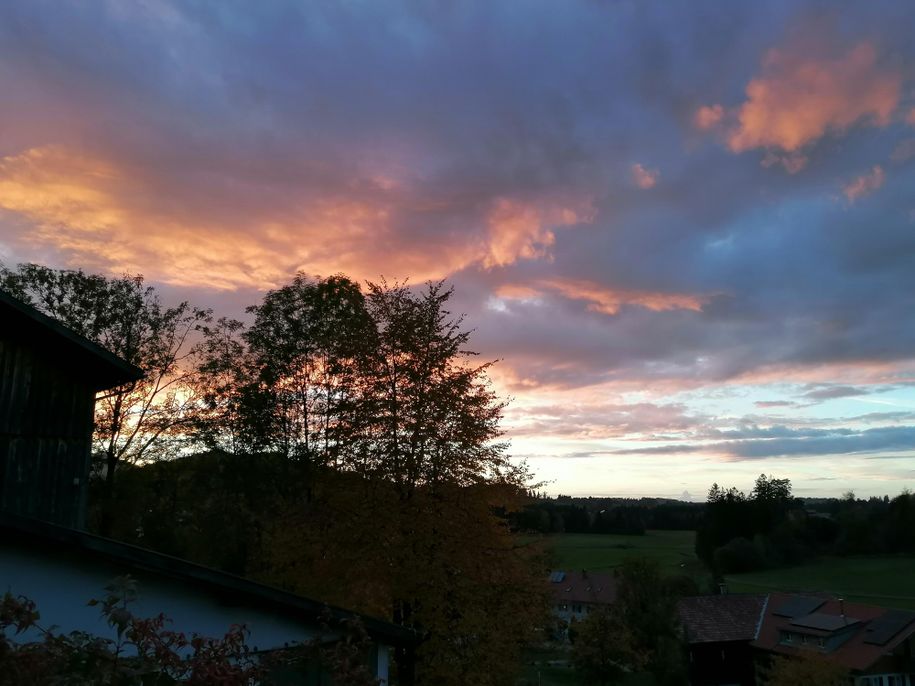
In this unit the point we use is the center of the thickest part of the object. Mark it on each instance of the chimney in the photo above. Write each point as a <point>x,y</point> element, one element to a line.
<point>842,609</point>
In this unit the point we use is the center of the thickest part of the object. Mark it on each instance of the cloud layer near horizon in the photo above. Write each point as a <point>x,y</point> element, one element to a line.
<point>661,217</point>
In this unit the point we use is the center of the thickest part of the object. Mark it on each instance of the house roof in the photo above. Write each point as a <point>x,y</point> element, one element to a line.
<point>34,533</point>
<point>593,588</point>
<point>721,618</point>
<point>64,345</point>
<point>871,631</point>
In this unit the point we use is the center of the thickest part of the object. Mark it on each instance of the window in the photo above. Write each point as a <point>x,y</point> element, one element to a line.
<point>821,642</point>
<point>576,608</point>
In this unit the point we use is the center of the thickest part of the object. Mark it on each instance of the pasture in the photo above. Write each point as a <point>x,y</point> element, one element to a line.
<point>877,580</point>
<point>602,552</point>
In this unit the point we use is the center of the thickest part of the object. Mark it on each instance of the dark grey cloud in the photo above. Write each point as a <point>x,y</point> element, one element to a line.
<point>784,442</point>
<point>831,391</point>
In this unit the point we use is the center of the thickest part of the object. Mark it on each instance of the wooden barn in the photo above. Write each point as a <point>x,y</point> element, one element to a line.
<point>49,377</point>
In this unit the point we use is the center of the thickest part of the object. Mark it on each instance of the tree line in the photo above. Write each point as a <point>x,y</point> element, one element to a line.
<point>595,515</point>
<point>769,527</point>
<point>344,443</point>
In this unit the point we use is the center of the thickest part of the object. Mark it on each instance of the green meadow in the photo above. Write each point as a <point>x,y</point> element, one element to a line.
<point>602,552</point>
<point>878,580</point>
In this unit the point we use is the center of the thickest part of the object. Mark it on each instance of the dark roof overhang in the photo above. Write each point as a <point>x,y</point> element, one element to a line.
<point>65,346</point>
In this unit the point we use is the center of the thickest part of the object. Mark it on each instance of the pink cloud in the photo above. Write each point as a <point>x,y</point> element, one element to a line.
<point>865,184</point>
<point>604,299</point>
<point>798,98</point>
<point>644,178</point>
<point>708,117</point>
<point>524,230</point>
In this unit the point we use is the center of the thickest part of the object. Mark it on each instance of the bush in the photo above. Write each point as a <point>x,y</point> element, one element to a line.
<point>739,555</point>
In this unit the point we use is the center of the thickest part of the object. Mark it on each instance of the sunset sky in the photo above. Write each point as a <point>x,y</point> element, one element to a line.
<point>687,229</point>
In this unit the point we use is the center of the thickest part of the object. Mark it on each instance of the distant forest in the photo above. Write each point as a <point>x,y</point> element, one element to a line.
<point>594,515</point>
<point>739,532</point>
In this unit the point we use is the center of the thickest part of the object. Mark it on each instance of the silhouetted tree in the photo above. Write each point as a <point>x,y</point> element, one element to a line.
<point>307,348</point>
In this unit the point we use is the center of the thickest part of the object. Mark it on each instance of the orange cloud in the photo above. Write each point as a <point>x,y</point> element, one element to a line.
<point>519,230</point>
<point>798,98</point>
<point>864,184</point>
<point>644,178</point>
<point>708,117</point>
<point>106,216</point>
<point>603,299</point>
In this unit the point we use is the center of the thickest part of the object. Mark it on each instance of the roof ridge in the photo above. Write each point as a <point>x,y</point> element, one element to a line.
<point>762,614</point>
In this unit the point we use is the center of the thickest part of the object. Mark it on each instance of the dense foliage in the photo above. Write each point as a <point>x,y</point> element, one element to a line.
<point>345,445</point>
<point>639,632</point>
<point>595,515</point>
<point>147,651</point>
<point>770,528</point>
<point>805,670</point>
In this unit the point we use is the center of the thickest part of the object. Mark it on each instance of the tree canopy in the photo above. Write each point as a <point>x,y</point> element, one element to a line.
<point>353,453</point>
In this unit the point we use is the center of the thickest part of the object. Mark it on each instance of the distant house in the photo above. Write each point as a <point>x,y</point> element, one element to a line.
<point>575,594</point>
<point>48,380</point>
<point>876,645</point>
<point>719,631</point>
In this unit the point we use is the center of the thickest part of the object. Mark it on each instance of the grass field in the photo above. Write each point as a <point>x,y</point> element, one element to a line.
<point>599,552</point>
<point>551,667</point>
<point>884,580</point>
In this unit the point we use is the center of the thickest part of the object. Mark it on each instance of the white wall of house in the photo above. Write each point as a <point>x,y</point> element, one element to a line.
<point>62,585</point>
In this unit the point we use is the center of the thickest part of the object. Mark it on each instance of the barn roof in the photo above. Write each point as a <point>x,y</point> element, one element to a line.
<point>721,618</point>
<point>63,345</point>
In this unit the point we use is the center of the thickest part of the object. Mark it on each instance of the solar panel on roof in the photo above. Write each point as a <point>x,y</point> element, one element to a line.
<point>823,622</point>
<point>557,577</point>
<point>881,630</point>
<point>798,606</point>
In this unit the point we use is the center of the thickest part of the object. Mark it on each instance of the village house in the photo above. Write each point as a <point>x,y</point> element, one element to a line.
<point>733,638</point>
<point>876,645</point>
<point>48,380</point>
<point>575,594</point>
<point>719,631</point>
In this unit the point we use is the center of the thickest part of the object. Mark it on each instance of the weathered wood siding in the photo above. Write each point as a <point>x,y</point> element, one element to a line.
<point>46,412</point>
